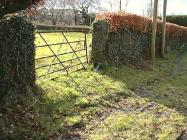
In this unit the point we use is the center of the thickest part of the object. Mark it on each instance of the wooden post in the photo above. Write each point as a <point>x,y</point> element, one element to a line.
<point>164,28</point>
<point>120,5</point>
<point>151,8</point>
<point>154,28</point>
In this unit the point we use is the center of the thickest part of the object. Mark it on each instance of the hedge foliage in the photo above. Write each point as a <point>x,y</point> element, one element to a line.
<point>17,52</point>
<point>140,24</point>
<point>178,19</point>
<point>126,47</point>
<point>126,38</point>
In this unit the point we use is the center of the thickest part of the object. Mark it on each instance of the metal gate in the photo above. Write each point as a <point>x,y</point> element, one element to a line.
<point>61,51</point>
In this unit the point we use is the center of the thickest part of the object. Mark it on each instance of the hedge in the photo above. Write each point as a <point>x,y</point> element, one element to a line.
<point>17,51</point>
<point>178,19</point>
<point>121,38</point>
<point>139,24</point>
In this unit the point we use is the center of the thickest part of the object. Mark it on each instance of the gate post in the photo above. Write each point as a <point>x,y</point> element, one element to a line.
<point>100,36</point>
<point>17,52</point>
<point>86,47</point>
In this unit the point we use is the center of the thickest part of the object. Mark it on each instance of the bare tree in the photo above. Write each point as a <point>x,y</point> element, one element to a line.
<point>120,6</point>
<point>63,6</point>
<point>57,9</point>
<point>164,28</point>
<point>51,5</point>
<point>125,3</point>
<point>150,9</point>
<point>111,5</point>
<point>82,6</point>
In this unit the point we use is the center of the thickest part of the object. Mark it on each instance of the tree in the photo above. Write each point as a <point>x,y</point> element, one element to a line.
<point>120,7</point>
<point>72,4</point>
<point>125,2</point>
<point>111,5</point>
<point>51,5</point>
<point>150,9</point>
<point>164,28</point>
<point>82,6</point>
<point>64,5</point>
<point>12,6</point>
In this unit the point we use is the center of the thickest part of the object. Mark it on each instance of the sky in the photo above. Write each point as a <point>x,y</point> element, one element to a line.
<point>177,7</point>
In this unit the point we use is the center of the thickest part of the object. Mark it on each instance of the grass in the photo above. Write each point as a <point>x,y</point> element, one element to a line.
<point>104,105</point>
<point>166,82</point>
<point>62,106</point>
<point>141,126</point>
<point>135,77</point>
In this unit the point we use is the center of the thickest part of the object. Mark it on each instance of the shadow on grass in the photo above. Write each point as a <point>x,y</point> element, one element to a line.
<point>60,110</point>
<point>166,84</point>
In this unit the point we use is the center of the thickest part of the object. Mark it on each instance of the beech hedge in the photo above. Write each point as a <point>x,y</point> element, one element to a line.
<point>122,38</point>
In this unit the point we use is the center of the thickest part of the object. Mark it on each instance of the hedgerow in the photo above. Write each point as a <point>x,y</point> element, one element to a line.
<point>129,21</point>
<point>127,38</point>
<point>177,19</point>
<point>139,24</point>
<point>17,51</point>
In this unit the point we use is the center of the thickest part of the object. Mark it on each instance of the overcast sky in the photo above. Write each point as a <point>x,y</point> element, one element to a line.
<point>176,7</point>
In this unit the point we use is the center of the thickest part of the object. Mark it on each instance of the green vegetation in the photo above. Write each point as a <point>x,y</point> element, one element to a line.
<point>116,103</point>
<point>139,125</point>
<point>178,19</point>
<point>17,75</point>
<point>62,106</point>
<point>134,77</point>
<point>166,82</point>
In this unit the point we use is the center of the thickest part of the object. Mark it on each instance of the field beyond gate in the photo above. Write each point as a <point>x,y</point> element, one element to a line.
<point>61,51</point>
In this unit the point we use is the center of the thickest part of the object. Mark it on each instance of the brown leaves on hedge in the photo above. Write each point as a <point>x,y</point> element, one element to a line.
<point>130,21</point>
<point>140,24</point>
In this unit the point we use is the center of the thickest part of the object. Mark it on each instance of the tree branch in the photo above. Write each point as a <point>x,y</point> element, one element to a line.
<point>12,6</point>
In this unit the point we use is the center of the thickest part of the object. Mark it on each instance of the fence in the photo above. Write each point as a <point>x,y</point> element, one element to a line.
<point>63,51</point>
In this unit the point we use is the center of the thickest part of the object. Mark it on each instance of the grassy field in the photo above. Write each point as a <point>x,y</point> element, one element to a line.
<point>115,103</point>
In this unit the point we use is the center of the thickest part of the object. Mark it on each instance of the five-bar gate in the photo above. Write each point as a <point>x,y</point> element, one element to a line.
<point>61,51</point>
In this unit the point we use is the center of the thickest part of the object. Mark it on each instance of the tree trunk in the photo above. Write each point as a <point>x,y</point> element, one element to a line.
<point>164,28</point>
<point>120,8</point>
